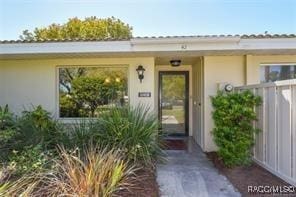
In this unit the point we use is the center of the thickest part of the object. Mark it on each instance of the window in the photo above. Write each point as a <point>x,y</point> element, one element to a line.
<point>89,91</point>
<point>270,73</point>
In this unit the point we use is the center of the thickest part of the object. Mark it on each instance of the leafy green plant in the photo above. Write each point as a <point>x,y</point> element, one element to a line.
<point>6,118</point>
<point>234,132</point>
<point>8,131</point>
<point>97,172</point>
<point>38,127</point>
<point>133,130</point>
<point>30,159</point>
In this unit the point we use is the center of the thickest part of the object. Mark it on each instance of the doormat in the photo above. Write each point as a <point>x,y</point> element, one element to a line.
<point>173,144</point>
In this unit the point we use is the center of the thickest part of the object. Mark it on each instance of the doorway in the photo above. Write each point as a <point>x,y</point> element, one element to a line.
<point>174,102</point>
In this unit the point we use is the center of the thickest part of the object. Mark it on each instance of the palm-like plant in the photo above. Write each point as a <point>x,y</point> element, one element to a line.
<point>133,130</point>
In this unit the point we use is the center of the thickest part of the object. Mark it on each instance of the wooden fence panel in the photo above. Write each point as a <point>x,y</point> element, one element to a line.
<point>275,146</point>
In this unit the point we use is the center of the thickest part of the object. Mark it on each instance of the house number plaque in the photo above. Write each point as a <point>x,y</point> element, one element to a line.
<point>144,94</point>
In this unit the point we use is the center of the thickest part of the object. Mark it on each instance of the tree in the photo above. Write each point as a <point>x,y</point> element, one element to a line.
<point>94,91</point>
<point>75,28</point>
<point>173,87</point>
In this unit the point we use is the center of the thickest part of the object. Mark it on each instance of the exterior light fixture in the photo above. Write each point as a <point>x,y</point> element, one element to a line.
<point>175,63</point>
<point>140,70</point>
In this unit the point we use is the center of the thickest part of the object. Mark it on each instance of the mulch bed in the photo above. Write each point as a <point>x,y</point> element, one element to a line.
<point>242,177</point>
<point>173,144</point>
<point>145,185</point>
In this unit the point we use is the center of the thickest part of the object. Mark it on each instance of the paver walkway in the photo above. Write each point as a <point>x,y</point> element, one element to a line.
<point>190,174</point>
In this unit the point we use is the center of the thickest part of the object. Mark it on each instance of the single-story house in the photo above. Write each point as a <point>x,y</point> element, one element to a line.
<point>175,76</point>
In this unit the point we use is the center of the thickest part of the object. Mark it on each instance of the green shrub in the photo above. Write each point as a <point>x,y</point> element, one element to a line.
<point>234,132</point>
<point>133,130</point>
<point>6,118</point>
<point>8,131</point>
<point>38,127</point>
<point>25,142</point>
<point>81,133</point>
<point>30,159</point>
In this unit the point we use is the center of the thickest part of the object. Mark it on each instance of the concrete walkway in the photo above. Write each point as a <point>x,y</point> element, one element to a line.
<point>190,173</point>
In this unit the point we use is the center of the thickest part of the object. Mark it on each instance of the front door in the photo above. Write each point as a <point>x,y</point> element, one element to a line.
<point>174,102</point>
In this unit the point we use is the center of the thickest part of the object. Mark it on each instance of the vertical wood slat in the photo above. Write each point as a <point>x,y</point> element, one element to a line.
<point>260,142</point>
<point>284,132</point>
<point>276,129</point>
<point>293,89</point>
<point>254,125</point>
<point>271,141</point>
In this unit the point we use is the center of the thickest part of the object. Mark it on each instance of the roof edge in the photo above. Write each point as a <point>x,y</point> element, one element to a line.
<point>151,38</point>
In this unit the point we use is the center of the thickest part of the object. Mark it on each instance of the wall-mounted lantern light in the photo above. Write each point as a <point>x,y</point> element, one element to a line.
<point>140,70</point>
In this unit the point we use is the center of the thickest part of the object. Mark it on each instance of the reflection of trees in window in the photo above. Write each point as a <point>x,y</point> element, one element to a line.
<point>173,87</point>
<point>85,92</point>
<point>280,72</point>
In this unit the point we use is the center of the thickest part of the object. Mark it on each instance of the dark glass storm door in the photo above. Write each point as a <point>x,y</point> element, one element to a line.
<point>173,102</point>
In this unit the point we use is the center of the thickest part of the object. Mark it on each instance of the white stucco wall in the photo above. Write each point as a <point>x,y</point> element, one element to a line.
<point>27,82</point>
<point>218,69</point>
<point>1,85</point>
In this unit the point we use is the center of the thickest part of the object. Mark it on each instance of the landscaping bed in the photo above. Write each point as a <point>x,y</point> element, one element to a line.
<point>243,176</point>
<point>144,186</point>
<point>111,154</point>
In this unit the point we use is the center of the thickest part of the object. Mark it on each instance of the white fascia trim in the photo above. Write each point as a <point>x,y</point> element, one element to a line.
<point>65,47</point>
<point>280,43</point>
<point>148,41</point>
<point>149,45</point>
<point>213,44</point>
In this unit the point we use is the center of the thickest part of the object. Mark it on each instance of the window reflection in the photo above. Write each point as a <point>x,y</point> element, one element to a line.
<point>88,91</point>
<point>277,73</point>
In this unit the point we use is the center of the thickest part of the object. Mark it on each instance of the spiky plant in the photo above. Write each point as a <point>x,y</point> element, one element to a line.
<point>133,130</point>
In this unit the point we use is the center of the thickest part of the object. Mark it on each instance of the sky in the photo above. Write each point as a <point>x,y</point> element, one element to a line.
<point>155,17</point>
